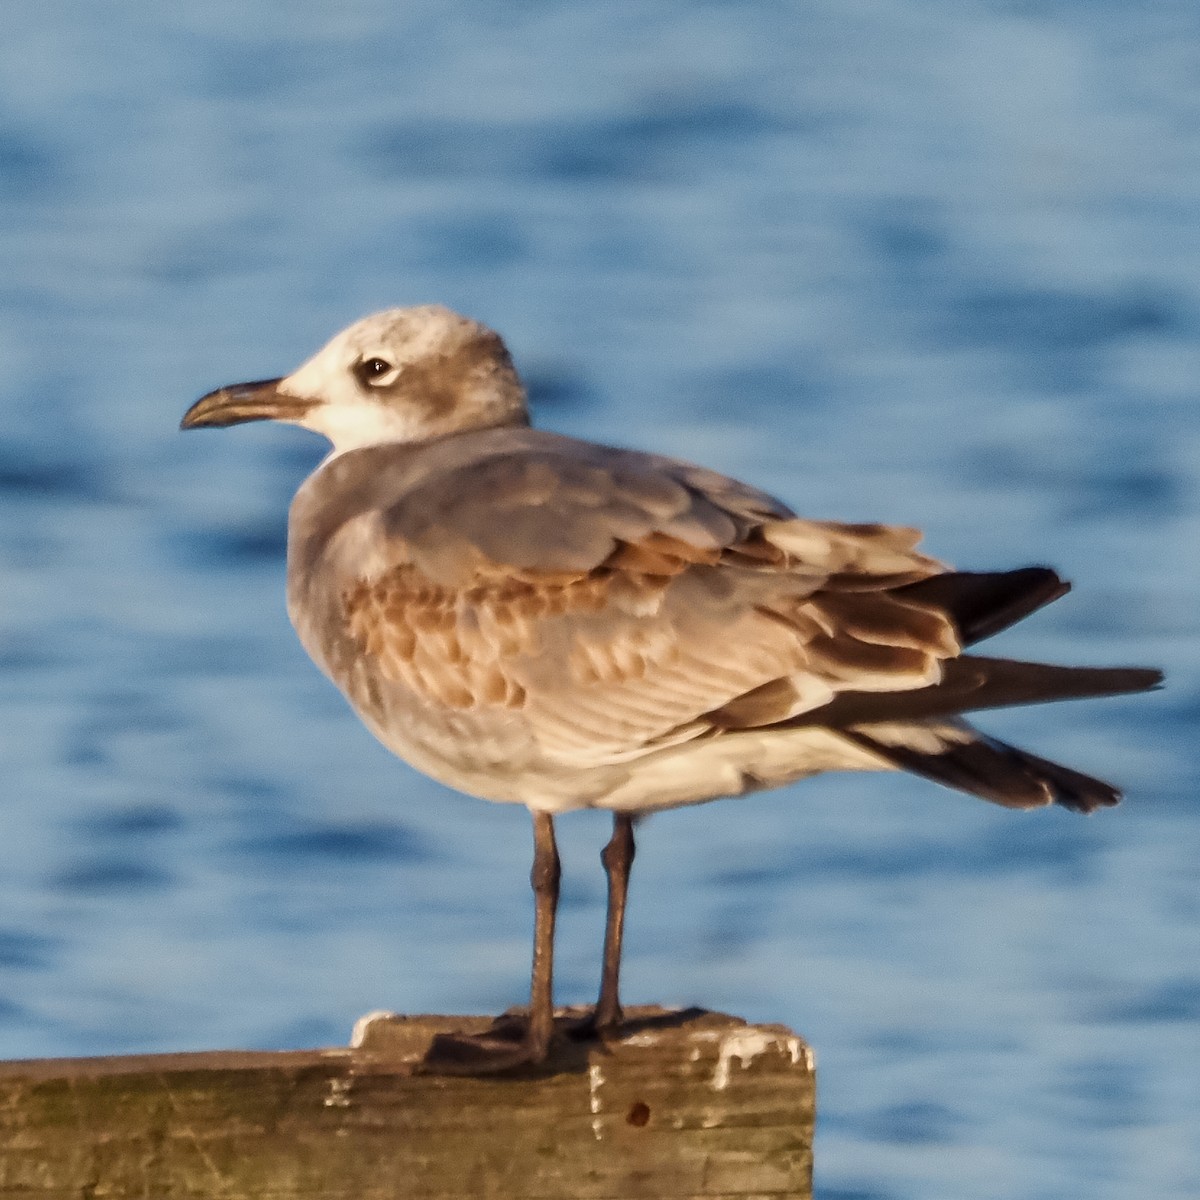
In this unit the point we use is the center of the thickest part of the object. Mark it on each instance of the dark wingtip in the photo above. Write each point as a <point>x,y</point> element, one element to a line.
<point>982,603</point>
<point>990,769</point>
<point>1141,679</point>
<point>1071,789</point>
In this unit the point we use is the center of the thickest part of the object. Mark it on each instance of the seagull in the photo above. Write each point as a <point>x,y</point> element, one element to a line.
<point>539,620</point>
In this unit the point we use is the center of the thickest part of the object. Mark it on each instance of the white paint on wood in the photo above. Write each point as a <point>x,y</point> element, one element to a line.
<point>595,1082</point>
<point>359,1033</point>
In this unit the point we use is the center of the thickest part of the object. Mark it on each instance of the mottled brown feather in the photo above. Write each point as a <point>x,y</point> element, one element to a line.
<point>604,601</point>
<point>664,639</point>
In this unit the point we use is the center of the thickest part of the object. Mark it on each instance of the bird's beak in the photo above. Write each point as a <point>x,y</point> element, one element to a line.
<point>258,401</point>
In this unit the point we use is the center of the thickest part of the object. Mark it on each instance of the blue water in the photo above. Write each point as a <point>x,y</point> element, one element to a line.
<point>930,262</point>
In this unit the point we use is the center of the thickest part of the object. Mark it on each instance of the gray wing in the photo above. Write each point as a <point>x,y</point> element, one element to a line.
<point>617,602</point>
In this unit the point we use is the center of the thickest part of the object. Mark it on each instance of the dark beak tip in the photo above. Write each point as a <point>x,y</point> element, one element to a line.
<point>203,412</point>
<point>192,419</point>
<point>236,404</point>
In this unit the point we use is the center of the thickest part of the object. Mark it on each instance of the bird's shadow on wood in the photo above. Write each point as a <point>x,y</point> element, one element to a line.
<point>575,1043</point>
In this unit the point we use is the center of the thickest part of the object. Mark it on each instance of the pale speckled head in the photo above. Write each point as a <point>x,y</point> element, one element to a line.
<point>403,375</point>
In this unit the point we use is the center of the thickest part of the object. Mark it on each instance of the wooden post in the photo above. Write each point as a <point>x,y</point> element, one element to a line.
<point>685,1104</point>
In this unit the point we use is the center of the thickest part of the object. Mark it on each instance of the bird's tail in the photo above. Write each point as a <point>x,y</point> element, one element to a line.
<point>919,730</point>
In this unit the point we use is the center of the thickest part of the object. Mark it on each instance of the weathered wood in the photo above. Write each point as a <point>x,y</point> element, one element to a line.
<point>688,1104</point>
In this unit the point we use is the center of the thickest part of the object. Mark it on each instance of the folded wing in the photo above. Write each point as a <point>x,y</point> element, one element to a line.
<point>616,603</point>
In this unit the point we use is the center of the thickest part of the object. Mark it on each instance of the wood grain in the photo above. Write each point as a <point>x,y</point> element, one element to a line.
<point>684,1105</point>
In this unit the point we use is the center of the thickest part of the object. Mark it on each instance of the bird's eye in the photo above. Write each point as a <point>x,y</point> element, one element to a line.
<point>372,370</point>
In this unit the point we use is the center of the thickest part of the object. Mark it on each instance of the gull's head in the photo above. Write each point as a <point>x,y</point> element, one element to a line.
<point>404,375</point>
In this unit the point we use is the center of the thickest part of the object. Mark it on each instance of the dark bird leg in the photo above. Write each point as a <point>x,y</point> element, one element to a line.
<point>617,858</point>
<point>511,1042</point>
<point>544,877</point>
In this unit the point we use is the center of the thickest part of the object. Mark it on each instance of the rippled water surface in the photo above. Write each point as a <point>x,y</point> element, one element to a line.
<point>931,262</point>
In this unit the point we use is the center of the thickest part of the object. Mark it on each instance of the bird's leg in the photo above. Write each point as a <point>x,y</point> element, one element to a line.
<point>617,858</point>
<point>545,879</point>
<point>510,1042</point>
